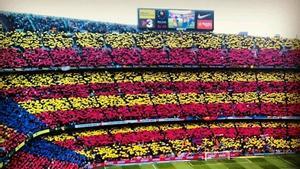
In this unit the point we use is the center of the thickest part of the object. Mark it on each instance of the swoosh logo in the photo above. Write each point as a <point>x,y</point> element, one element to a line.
<point>203,16</point>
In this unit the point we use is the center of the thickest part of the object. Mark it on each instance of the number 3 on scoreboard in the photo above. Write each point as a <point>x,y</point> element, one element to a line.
<point>149,23</point>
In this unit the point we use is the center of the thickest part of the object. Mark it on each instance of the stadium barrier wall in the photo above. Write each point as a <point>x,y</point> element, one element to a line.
<point>185,156</point>
<point>69,68</point>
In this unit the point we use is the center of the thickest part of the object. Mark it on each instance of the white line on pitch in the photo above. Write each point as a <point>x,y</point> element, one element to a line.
<point>154,166</point>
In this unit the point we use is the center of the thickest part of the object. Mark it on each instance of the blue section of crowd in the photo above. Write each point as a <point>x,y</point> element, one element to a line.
<point>50,150</point>
<point>18,118</point>
<point>29,22</point>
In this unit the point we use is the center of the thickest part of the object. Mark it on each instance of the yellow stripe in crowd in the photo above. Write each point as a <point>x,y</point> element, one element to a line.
<point>51,105</point>
<point>48,79</point>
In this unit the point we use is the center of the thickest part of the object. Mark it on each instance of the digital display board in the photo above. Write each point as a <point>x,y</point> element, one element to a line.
<point>181,19</point>
<point>175,19</point>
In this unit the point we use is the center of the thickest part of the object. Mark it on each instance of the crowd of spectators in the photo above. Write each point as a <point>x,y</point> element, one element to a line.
<point>25,49</point>
<point>44,154</point>
<point>34,102</point>
<point>23,160</point>
<point>37,101</point>
<point>16,125</point>
<point>174,139</point>
<point>30,22</point>
<point>9,139</point>
<point>76,148</point>
<point>70,98</point>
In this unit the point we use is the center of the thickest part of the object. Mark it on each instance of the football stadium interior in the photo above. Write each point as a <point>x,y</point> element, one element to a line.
<point>90,94</point>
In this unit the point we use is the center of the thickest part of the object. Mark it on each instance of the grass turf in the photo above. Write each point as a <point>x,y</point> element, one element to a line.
<point>265,162</point>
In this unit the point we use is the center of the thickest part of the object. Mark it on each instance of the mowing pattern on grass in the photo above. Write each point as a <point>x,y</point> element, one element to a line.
<point>267,162</point>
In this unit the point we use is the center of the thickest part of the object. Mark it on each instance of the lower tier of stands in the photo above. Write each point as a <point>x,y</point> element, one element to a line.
<point>9,139</point>
<point>76,148</point>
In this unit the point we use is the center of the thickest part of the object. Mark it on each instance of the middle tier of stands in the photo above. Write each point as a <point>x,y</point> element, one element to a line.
<point>84,97</point>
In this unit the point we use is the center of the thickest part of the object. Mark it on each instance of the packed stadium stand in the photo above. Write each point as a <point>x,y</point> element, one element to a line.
<point>76,93</point>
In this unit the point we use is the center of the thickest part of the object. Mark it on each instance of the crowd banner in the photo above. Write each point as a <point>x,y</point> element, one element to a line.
<point>276,152</point>
<point>87,125</point>
<point>20,146</point>
<point>217,155</point>
<point>41,133</point>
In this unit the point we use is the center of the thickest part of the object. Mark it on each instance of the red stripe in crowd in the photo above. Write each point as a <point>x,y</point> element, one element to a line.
<point>12,140</point>
<point>11,58</point>
<point>27,161</point>
<point>84,90</point>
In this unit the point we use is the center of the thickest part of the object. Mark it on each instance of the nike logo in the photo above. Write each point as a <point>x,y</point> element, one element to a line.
<point>203,16</point>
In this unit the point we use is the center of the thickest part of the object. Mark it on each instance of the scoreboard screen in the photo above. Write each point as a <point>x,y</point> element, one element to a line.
<point>175,19</point>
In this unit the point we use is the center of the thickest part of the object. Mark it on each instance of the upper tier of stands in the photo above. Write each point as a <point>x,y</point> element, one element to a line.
<point>26,44</point>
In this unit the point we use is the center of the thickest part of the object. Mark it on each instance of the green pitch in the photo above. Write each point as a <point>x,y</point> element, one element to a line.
<point>266,162</point>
